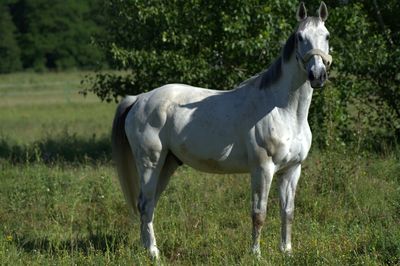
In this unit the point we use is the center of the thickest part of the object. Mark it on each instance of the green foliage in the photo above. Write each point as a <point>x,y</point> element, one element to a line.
<point>57,34</point>
<point>9,50</point>
<point>217,45</point>
<point>369,84</point>
<point>209,44</point>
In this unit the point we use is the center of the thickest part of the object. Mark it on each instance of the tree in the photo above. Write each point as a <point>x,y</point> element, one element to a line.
<point>214,44</point>
<point>374,71</point>
<point>57,34</point>
<point>9,50</point>
<point>219,44</point>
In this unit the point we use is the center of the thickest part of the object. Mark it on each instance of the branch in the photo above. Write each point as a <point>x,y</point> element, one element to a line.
<point>382,23</point>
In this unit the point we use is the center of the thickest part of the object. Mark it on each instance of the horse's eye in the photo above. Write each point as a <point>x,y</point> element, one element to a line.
<point>327,37</point>
<point>300,38</point>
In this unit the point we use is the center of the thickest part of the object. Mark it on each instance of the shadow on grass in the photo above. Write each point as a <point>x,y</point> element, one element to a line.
<point>68,148</point>
<point>86,245</point>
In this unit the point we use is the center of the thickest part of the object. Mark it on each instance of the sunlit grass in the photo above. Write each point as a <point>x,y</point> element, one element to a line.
<point>32,107</point>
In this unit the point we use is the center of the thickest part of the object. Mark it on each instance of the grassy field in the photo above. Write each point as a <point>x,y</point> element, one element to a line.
<point>37,106</point>
<point>60,202</point>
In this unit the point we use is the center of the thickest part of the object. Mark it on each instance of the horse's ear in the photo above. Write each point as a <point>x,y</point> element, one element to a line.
<point>301,12</point>
<point>323,12</point>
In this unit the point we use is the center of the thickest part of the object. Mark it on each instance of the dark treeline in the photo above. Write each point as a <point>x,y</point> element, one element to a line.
<point>45,34</point>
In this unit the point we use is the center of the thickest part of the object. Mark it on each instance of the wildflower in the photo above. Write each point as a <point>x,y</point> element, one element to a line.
<point>9,238</point>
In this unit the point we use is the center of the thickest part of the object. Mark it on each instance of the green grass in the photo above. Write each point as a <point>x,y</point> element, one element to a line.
<point>75,213</point>
<point>36,106</point>
<point>60,202</point>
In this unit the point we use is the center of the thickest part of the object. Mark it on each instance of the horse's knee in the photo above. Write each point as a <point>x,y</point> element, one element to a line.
<point>288,214</point>
<point>258,220</point>
<point>146,207</point>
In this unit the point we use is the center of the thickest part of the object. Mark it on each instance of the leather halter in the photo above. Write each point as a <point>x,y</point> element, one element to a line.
<point>303,60</point>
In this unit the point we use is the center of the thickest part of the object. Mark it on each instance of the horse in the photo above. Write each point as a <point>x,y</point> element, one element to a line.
<point>260,127</point>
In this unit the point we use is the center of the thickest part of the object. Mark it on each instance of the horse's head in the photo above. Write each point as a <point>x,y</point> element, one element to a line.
<point>312,49</point>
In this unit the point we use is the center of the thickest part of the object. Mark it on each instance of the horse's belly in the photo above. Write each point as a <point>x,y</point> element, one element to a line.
<point>208,139</point>
<point>216,166</point>
<point>211,158</point>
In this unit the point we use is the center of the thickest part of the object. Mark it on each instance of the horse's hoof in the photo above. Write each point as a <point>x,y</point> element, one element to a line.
<point>154,253</point>
<point>256,252</point>
<point>287,250</point>
<point>288,253</point>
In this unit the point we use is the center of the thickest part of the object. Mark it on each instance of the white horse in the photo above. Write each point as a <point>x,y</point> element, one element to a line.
<point>260,128</point>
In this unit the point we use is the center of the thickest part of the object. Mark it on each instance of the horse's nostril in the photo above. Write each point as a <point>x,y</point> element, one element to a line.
<point>324,76</point>
<point>311,76</point>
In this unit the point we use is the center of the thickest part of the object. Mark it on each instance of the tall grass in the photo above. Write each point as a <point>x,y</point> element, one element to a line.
<point>348,212</point>
<point>61,148</point>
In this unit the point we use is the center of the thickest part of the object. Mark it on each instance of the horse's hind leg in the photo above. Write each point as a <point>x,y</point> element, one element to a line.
<point>154,179</point>
<point>150,166</point>
<point>170,165</point>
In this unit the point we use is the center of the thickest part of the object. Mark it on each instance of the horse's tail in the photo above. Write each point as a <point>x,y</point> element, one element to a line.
<point>123,156</point>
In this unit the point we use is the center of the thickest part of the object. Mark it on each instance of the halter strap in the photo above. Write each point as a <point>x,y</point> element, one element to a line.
<point>326,58</point>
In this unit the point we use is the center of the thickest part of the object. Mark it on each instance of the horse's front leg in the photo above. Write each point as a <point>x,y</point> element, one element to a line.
<point>287,190</point>
<point>261,178</point>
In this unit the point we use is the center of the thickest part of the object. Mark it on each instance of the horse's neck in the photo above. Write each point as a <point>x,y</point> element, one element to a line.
<point>299,95</point>
<point>300,101</point>
<point>293,91</point>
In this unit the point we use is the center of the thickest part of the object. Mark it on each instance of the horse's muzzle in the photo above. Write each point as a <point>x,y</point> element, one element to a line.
<point>317,78</point>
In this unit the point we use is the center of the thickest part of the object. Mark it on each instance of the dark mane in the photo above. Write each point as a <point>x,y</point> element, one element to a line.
<point>274,71</point>
<point>289,47</point>
<point>272,74</point>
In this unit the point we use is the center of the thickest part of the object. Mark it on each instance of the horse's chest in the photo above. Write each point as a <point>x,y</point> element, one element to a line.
<point>296,150</point>
<point>288,146</point>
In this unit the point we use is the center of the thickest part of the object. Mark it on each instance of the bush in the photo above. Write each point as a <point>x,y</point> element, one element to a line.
<point>218,45</point>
